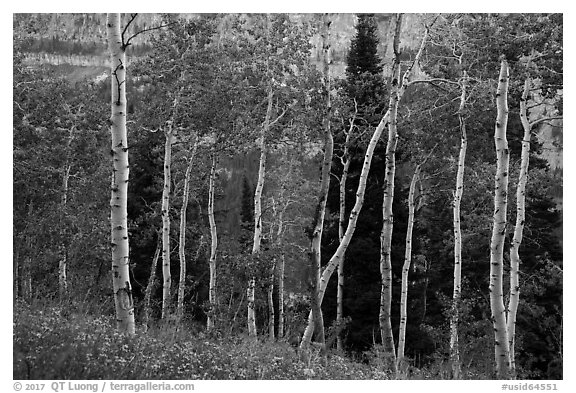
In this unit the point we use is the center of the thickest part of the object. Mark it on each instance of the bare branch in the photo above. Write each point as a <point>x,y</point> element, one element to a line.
<point>125,45</point>
<point>544,119</point>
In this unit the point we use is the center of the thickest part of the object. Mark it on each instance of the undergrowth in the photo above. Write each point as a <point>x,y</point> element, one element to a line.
<point>57,342</point>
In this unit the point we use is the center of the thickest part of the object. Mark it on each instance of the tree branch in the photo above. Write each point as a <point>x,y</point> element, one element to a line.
<point>535,122</point>
<point>127,43</point>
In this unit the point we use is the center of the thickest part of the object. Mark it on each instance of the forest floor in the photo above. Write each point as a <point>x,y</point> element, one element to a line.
<point>63,342</point>
<point>55,342</point>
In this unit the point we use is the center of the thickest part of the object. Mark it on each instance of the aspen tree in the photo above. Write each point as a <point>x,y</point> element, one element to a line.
<point>502,345</point>
<point>345,160</point>
<point>387,223</point>
<point>454,317</point>
<point>353,217</point>
<point>515,261</point>
<point>279,211</point>
<point>213,243</point>
<point>408,260</point>
<point>281,269</point>
<point>151,282</point>
<point>270,293</point>
<point>166,274</point>
<point>258,214</point>
<point>119,217</point>
<point>317,225</point>
<point>406,269</point>
<point>182,245</point>
<point>63,262</point>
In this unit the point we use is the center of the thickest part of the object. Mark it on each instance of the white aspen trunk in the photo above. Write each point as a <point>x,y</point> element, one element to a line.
<point>315,244</point>
<point>281,267</point>
<point>387,227</point>
<point>502,345</point>
<point>271,316</point>
<point>213,245</point>
<point>251,316</point>
<point>341,230</point>
<point>454,317</point>
<point>151,284</point>
<point>118,216</point>
<point>63,262</point>
<point>26,276</point>
<point>387,216</point>
<point>353,218</point>
<point>318,221</point>
<point>182,245</point>
<point>166,274</point>
<point>519,227</point>
<point>406,269</point>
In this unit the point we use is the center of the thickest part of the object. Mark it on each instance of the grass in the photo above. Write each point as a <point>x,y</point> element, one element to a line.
<point>53,342</point>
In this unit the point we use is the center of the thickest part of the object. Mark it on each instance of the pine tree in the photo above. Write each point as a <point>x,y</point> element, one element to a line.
<point>363,56</point>
<point>364,80</point>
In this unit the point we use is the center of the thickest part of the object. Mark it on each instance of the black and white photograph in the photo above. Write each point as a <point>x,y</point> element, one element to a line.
<point>286,196</point>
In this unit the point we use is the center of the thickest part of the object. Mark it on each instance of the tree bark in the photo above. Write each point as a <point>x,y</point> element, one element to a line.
<point>281,267</point>
<point>213,245</point>
<point>119,217</point>
<point>519,227</point>
<point>151,284</point>
<point>406,268</point>
<point>502,345</point>
<point>341,229</point>
<point>454,317</point>
<point>63,262</point>
<point>317,224</point>
<point>166,273</point>
<point>387,227</point>
<point>182,245</point>
<point>258,215</point>
<point>270,292</point>
<point>387,216</point>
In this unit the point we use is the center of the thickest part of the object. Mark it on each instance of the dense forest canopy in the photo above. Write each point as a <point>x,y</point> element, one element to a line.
<point>267,151</point>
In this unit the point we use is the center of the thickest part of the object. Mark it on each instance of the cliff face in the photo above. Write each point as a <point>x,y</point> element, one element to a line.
<point>80,39</point>
<point>76,45</point>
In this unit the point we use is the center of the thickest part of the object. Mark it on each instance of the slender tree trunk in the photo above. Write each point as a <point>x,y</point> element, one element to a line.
<point>281,267</point>
<point>353,218</point>
<point>386,235</point>
<point>271,314</point>
<point>502,345</point>
<point>406,269</point>
<point>317,224</point>
<point>182,245</point>
<point>151,284</point>
<point>341,231</point>
<point>63,262</point>
<point>454,317</point>
<point>398,87</point>
<point>166,273</point>
<point>213,245</point>
<point>387,216</point>
<point>26,276</point>
<point>519,227</point>
<point>258,216</point>
<point>119,217</point>
<point>315,243</point>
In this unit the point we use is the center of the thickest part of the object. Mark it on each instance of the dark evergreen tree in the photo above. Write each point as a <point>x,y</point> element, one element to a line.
<point>246,214</point>
<point>364,80</point>
<point>363,56</point>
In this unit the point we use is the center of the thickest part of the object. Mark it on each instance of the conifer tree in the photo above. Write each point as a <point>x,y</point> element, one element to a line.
<point>364,80</point>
